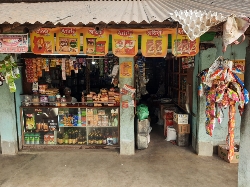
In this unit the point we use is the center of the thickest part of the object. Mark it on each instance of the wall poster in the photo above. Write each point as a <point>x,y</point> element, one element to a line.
<point>183,46</point>
<point>126,70</point>
<point>13,43</point>
<point>95,43</point>
<point>124,42</point>
<point>68,40</point>
<point>155,42</point>
<point>42,41</point>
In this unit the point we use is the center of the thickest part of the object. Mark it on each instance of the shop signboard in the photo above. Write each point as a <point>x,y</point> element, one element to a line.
<point>13,43</point>
<point>124,42</point>
<point>155,42</point>
<point>68,40</point>
<point>240,65</point>
<point>42,41</point>
<point>182,45</point>
<point>95,43</point>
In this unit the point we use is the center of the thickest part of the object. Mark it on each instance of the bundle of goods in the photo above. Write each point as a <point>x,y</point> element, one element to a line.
<point>108,97</point>
<point>9,72</point>
<point>222,88</point>
<point>182,129</point>
<point>143,136</point>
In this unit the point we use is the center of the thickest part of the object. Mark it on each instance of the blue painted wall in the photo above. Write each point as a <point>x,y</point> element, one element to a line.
<point>8,128</point>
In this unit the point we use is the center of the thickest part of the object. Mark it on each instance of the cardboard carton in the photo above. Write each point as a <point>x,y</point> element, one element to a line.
<point>181,118</point>
<point>223,153</point>
<point>182,128</point>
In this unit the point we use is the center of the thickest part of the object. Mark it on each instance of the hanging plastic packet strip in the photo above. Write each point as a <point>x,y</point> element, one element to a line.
<point>236,70</point>
<point>210,123</point>
<point>217,74</point>
<point>238,80</point>
<point>220,115</point>
<point>233,95</point>
<point>246,96</point>
<point>223,75</point>
<point>200,90</point>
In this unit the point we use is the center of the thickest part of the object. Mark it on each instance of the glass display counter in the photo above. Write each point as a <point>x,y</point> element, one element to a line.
<point>70,125</point>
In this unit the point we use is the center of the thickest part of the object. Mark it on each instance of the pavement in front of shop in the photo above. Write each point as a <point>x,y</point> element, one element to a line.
<point>161,164</point>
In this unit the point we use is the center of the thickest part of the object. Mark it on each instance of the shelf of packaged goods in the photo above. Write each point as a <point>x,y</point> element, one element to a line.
<point>68,106</point>
<point>70,146</point>
<point>103,126</point>
<point>71,126</point>
<point>87,126</point>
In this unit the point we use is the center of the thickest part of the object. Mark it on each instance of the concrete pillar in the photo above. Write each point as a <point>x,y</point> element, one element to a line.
<point>244,160</point>
<point>8,128</point>
<point>204,145</point>
<point>127,139</point>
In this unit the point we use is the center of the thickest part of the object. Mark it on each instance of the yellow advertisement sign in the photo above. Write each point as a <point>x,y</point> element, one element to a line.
<point>95,43</point>
<point>126,70</point>
<point>124,42</point>
<point>155,42</point>
<point>42,41</point>
<point>183,46</point>
<point>68,40</point>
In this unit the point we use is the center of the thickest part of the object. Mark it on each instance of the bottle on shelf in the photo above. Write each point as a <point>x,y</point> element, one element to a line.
<point>63,101</point>
<point>66,138</point>
<point>70,137</point>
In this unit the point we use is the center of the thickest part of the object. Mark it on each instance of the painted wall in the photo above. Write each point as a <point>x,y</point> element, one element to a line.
<point>19,90</point>
<point>203,60</point>
<point>8,129</point>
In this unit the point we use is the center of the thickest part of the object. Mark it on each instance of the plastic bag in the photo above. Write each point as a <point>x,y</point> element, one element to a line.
<point>142,112</point>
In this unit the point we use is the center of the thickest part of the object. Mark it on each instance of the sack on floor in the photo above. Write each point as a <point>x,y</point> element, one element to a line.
<point>171,134</point>
<point>142,112</point>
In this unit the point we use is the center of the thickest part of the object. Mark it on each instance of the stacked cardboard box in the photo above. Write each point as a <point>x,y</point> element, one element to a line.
<point>223,153</point>
<point>143,136</point>
<point>182,128</point>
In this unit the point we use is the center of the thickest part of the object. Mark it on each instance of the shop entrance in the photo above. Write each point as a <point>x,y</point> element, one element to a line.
<point>168,89</point>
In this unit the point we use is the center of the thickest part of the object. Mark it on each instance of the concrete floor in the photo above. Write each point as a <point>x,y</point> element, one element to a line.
<point>162,164</point>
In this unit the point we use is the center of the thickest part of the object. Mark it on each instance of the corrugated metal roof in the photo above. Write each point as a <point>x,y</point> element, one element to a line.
<point>95,12</point>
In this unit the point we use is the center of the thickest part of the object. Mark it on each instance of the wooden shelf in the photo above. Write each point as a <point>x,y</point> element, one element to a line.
<point>182,78</point>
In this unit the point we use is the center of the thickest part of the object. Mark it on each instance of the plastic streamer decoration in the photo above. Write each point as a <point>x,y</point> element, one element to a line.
<point>9,72</point>
<point>222,88</point>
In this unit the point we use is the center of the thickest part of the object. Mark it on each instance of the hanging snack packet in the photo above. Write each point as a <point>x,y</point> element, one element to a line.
<point>12,87</point>
<point>246,95</point>
<point>200,90</point>
<point>233,95</point>
<point>238,80</point>
<point>220,115</point>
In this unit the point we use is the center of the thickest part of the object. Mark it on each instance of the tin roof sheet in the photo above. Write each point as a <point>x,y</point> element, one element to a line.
<point>117,12</point>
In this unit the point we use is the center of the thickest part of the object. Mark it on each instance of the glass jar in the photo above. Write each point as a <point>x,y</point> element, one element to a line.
<point>63,101</point>
<point>43,99</point>
<point>35,100</point>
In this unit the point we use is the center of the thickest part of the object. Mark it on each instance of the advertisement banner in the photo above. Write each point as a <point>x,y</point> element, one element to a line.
<point>68,40</point>
<point>126,70</point>
<point>42,41</point>
<point>155,42</point>
<point>13,43</point>
<point>183,46</point>
<point>124,42</point>
<point>95,43</point>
